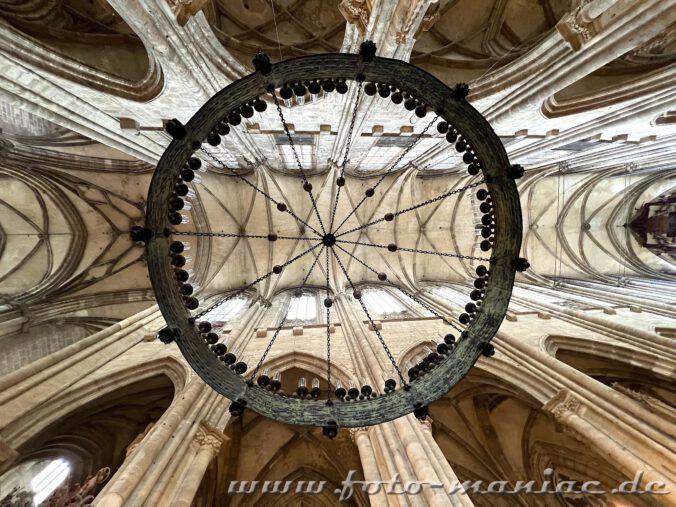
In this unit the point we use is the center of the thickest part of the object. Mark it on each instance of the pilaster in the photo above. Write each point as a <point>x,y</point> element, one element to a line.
<point>360,436</point>
<point>33,385</point>
<point>570,411</point>
<point>144,477</point>
<point>208,441</point>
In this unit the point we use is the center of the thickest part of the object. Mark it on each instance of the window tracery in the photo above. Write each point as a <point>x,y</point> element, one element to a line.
<point>385,305</point>
<point>302,308</point>
<point>230,310</point>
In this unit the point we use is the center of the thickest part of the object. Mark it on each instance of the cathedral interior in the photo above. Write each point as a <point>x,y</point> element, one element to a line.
<point>579,385</point>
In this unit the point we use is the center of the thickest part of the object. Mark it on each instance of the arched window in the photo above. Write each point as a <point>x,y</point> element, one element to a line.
<point>302,308</point>
<point>382,303</point>
<point>50,478</point>
<point>449,294</point>
<point>229,310</point>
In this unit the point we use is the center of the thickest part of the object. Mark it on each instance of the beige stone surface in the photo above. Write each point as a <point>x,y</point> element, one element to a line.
<point>582,383</point>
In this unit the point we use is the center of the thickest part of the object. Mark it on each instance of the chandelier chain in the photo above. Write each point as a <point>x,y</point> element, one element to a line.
<point>295,155</point>
<point>262,192</point>
<point>373,325</point>
<point>279,327</point>
<point>353,120</point>
<point>328,332</point>
<point>403,291</point>
<point>392,166</point>
<point>228,235</point>
<point>414,207</point>
<point>348,144</point>
<point>257,280</point>
<point>414,250</point>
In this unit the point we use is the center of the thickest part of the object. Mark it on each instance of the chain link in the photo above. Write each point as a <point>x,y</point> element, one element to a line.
<point>441,254</point>
<point>262,192</point>
<point>279,327</point>
<point>373,325</point>
<point>406,293</point>
<point>392,166</point>
<point>348,145</point>
<point>257,280</point>
<point>416,206</point>
<point>229,235</point>
<point>328,331</point>
<point>295,155</point>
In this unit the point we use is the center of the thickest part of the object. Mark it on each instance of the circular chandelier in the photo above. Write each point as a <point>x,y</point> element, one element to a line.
<point>469,333</point>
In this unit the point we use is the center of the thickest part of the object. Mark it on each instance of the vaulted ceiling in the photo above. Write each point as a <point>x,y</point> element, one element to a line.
<point>81,120</point>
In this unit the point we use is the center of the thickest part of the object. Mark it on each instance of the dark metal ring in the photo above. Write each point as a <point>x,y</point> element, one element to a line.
<point>494,164</point>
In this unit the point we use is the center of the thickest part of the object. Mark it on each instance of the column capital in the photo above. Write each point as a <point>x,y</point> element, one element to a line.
<point>564,404</point>
<point>210,436</point>
<point>357,12</point>
<point>186,9</point>
<point>589,19</point>
<point>355,432</point>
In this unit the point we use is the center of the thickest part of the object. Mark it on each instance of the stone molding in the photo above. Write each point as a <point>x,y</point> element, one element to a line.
<point>7,456</point>
<point>427,423</point>
<point>564,404</point>
<point>355,432</point>
<point>210,436</point>
<point>582,24</point>
<point>357,12</point>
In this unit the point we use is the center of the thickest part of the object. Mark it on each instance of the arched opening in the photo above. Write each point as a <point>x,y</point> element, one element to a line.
<point>87,42</point>
<point>489,430</point>
<point>263,450</point>
<point>618,369</point>
<point>87,446</point>
<point>387,303</point>
<point>245,27</point>
<point>485,35</point>
<point>300,306</point>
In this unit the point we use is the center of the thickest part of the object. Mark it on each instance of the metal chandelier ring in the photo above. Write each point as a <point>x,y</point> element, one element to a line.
<point>508,230</point>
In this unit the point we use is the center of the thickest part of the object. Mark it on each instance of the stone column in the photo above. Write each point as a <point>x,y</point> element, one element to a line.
<point>640,428</point>
<point>442,467</point>
<point>360,436</point>
<point>569,411</point>
<point>420,461</point>
<point>242,332</point>
<point>118,491</point>
<point>391,461</point>
<point>30,388</point>
<point>412,471</point>
<point>16,383</point>
<point>404,450</point>
<point>161,481</point>
<point>367,366</point>
<point>208,440</point>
